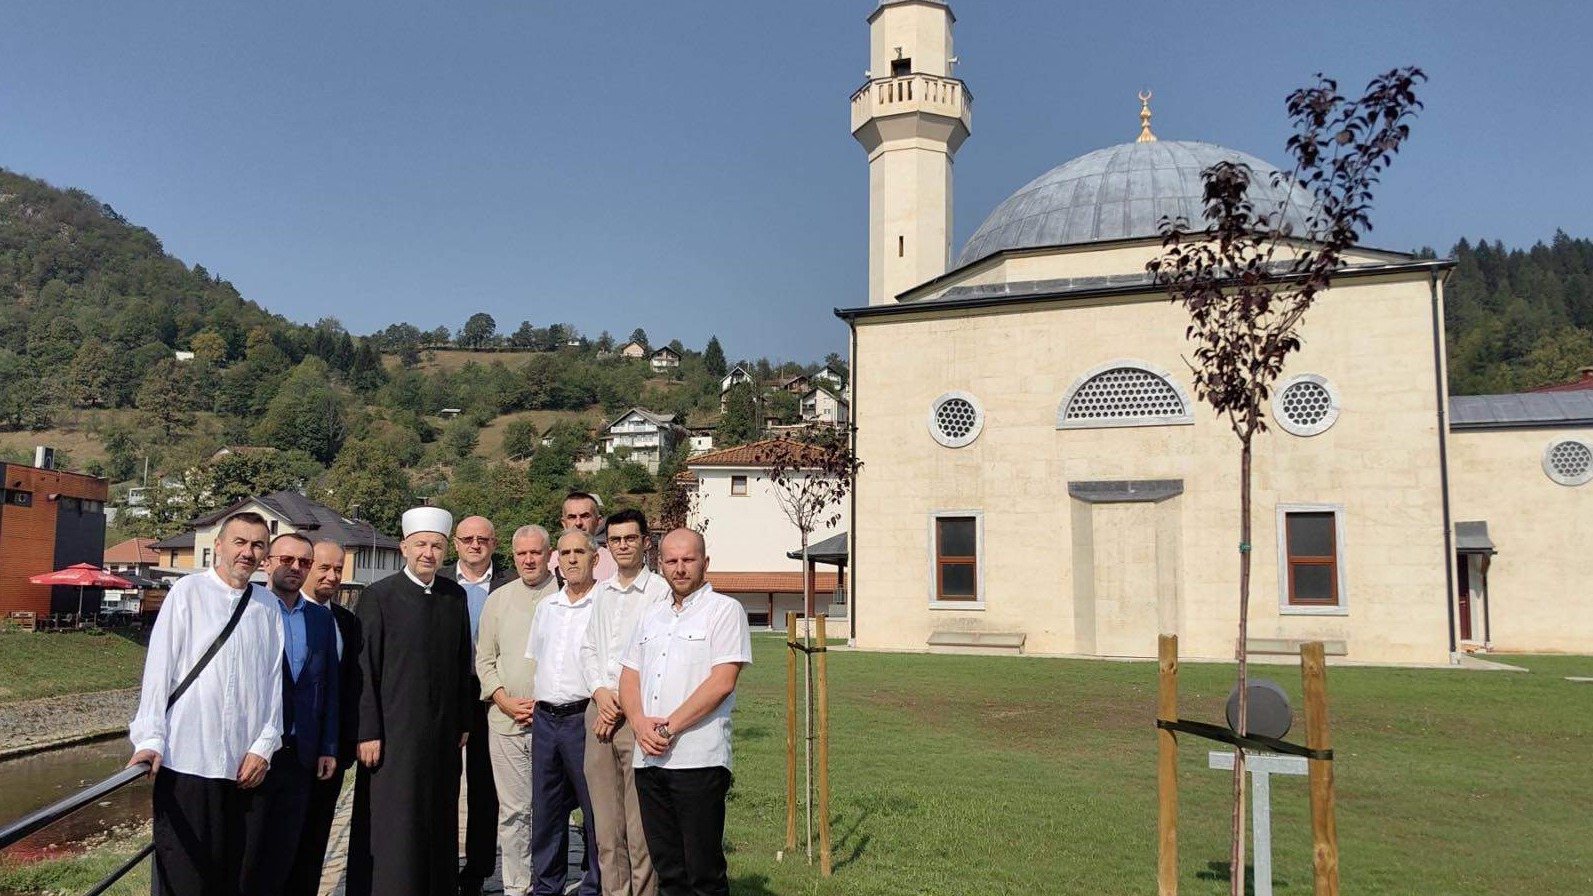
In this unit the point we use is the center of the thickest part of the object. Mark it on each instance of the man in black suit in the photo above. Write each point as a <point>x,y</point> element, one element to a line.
<point>275,811</point>
<point>325,578</point>
<point>475,540</point>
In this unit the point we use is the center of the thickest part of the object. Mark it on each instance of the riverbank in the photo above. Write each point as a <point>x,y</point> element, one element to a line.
<point>29,726</point>
<point>48,664</point>
<point>76,873</point>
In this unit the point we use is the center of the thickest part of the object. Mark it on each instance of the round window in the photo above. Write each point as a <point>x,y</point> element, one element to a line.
<point>1568,461</point>
<point>955,419</point>
<point>1306,405</point>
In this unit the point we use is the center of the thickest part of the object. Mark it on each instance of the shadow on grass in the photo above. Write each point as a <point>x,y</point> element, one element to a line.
<point>1219,871</point>
<point>751,885</point>
<point>848,846</point>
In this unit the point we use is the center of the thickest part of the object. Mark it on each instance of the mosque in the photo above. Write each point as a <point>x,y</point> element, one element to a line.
<point>1038,477</point>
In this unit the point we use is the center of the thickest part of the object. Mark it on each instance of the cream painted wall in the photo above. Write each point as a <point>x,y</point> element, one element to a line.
<point>749,533</point>
<point>1371,339</point>
<point>1538,583</point>
<point>921,30</point>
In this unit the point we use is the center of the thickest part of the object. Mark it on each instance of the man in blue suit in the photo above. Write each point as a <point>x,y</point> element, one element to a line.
<point>274,816</point>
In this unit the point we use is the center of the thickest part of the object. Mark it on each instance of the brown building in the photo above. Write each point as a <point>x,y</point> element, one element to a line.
<point>49,519</point>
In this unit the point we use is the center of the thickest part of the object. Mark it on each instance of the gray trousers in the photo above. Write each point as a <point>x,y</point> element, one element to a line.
<point>622,858</point>
<point>511,775</point>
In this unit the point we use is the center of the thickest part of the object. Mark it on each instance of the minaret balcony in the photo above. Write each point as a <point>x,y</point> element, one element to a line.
<point>914,93</point>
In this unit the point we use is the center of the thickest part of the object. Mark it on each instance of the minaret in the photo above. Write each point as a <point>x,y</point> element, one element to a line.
<point>910,117</point>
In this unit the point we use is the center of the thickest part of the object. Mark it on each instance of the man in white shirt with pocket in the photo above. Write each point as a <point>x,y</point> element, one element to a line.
<point>617,604</point>
<point>219,735</point>
<point>677,688</point>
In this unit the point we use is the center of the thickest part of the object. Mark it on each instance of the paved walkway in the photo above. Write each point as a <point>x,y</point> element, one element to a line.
<point>336,872</point>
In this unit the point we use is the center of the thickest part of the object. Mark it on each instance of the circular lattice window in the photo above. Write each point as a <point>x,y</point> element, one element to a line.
<point>1306,405</point>
<point>1568,461</point>
<point>955,419</point>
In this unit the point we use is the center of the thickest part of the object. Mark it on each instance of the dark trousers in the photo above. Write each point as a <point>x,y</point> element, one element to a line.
<point>481,801</point>
<point>273,820</point>
<point>199,835</point>
<point>558,785</point>
<point>683,815</point>
<point>310,859</point>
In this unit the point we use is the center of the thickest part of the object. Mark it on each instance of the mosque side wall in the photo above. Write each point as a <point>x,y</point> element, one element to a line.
<point>1537,583</point>
<point>1103,578</point>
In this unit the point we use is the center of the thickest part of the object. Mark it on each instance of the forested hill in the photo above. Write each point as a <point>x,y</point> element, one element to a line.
<point>76,279</point>
<point>1519,318</point>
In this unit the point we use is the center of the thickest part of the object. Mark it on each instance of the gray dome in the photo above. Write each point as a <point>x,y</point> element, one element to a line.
<point>1121,192</point>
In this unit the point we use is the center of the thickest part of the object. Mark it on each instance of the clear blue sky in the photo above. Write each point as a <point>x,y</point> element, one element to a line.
<point>686,167</point>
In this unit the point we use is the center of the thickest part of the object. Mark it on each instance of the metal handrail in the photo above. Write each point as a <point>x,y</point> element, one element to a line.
<point>121,871</point>
<point>61,808</point>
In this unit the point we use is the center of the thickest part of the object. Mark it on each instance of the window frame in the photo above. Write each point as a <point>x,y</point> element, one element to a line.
<point>1335,405</point>
<point>744,483</point>
<point>1286,606</point>
<point>1156,370</point>
<point>935,560</point>
<point>1553,474</point>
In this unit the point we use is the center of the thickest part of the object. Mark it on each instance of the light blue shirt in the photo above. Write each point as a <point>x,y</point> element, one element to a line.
<point>476,591</point>
<point>295,643</point>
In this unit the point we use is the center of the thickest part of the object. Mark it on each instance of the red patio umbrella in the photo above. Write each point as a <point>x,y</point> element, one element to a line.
<point>83,575</point>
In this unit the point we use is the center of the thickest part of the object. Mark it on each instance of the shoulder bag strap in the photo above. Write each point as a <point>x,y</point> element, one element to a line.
<point>215,647</point>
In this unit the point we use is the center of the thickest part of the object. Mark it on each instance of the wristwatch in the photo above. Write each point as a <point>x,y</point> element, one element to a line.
<point>662,730</point>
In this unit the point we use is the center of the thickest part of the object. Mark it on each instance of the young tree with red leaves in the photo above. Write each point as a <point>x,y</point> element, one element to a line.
<point>1247,282</point>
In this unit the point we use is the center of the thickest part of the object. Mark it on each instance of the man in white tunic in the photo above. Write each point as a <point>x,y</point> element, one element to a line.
<point>610,744</point>
<point>217,738</point>
<point>677,688</point>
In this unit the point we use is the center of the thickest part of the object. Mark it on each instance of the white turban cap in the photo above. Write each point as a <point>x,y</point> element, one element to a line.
<point>427,519</point>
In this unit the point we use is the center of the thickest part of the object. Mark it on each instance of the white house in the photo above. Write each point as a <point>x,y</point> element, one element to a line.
<point>822,405</point>
<point>737,374</point>
<point>664,359</point>
<point>750,536</point>
<point>643,436</point>
<point>631,350</point>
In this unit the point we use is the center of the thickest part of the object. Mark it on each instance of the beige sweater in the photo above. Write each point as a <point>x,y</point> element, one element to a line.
<point>500,647</point>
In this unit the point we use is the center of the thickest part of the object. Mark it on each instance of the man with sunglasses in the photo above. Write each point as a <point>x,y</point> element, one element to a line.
<point>274,812</point>
<point>475,539</point>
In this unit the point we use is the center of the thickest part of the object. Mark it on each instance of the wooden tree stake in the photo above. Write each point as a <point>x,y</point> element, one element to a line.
<point>1324,830</point>
<point>790,730</point>
<point>823,687</point>
<point>1167,768</point>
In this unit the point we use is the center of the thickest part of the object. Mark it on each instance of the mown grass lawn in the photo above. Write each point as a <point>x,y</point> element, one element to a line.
<point>47,664</point>
<point>996,775</point>
<point>956,774</point>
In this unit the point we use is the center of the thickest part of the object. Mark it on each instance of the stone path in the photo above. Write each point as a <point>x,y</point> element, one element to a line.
<point>332,879</point>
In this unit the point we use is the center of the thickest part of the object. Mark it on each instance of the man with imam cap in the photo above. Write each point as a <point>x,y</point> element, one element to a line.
<point>413,720</point>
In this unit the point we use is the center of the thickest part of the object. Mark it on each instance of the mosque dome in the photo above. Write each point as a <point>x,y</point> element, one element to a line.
<point>1121,192</point>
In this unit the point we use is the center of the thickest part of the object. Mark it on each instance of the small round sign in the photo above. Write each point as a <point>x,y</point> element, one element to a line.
<point>1268,712</point>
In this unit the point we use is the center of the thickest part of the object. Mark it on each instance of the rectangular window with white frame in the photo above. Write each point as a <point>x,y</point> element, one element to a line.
<point>1311,576</point>
<point>956,549</point>
<point>738,486</point>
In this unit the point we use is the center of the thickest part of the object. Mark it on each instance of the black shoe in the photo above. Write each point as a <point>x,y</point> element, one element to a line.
<point>470,886</point>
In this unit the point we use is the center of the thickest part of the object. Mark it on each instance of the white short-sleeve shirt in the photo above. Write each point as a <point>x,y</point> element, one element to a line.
<point>673,650</point>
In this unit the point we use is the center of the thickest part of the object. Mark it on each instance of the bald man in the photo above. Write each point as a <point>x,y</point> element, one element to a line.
<point>690,650</point>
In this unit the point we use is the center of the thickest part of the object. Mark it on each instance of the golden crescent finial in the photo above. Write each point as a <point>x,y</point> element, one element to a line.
<point>1145,135</point>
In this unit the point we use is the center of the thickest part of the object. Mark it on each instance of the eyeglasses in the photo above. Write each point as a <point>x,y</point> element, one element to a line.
<point>624,539</point>
<point>300,562</point>
<point>474,539</point>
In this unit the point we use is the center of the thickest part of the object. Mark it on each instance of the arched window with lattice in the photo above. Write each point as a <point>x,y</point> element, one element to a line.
<point>1124,393</point>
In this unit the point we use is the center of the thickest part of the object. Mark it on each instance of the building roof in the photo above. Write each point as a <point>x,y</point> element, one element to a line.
<point>133,550</point>
<point>783,582</point>
<point>1583,381</point>
<point>175,542</point>
<point>1521,410</point>
<point>752,454</point>
<point>1122,192</point>
<point>666,350</point>
<point>659,420</point>
<point>832,550</point>
<point>310,517</point>
<point>1471,537</point>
